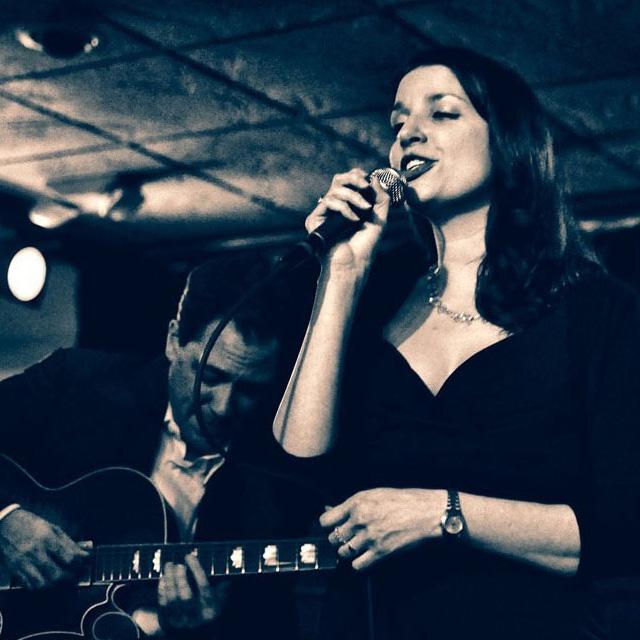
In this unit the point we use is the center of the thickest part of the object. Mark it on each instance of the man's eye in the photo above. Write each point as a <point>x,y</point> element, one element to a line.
<point>212,378</point>
<point>253,389</point>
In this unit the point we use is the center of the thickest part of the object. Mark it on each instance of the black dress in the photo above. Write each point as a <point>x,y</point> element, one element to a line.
<point>546,415</point>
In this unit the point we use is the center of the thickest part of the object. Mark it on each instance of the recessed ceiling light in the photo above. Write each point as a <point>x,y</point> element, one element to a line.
<point>58,40</point>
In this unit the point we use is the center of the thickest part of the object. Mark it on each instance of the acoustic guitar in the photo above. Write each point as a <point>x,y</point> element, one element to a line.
<point>122,514</point>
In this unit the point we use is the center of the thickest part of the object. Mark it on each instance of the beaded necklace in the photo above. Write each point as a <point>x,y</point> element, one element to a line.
<point>434,300</point>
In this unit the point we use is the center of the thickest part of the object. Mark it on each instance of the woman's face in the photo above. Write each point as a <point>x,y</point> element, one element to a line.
<point>442,138</point>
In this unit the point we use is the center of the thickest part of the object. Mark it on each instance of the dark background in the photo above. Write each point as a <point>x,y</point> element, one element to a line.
<point>196,127</point>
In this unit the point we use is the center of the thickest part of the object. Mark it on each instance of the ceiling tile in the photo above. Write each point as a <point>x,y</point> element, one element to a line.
<point>602,107</point>
<point>180,22</point>
<point>545,41</point>
<point>143,98</point>
<point>26,134</point>
<point>68,171</point>
<point>319,70</point>
<point>370,128</point>
<point>290,165</point>
<point>203,202</point>
<point>589,172</point>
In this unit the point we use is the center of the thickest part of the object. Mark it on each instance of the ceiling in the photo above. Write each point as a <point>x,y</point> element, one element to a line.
<point>227,119</point>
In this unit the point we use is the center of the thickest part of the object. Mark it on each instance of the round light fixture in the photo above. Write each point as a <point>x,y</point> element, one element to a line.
<point>58,40</point>
<point>27,274</point>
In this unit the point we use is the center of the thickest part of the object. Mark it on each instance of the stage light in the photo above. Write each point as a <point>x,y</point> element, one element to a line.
<point>26,274</point>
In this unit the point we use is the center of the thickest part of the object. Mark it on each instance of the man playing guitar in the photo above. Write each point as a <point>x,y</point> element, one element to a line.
<point>80,411</point>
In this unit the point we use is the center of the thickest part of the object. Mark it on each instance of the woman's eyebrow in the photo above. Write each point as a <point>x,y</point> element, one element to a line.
<point>439,96</point>
<point>400,107</point>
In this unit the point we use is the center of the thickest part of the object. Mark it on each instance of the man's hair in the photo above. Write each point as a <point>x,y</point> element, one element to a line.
<point>533,247</point>
<point>275,311</point>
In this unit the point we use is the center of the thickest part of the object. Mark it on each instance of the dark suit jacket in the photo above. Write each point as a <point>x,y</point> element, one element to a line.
<point>81,410</point>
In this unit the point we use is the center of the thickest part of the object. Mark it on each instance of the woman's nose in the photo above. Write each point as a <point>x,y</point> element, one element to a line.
<point>411,132</point>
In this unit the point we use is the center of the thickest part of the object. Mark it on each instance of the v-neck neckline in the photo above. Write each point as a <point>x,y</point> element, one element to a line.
<point>458,371</point>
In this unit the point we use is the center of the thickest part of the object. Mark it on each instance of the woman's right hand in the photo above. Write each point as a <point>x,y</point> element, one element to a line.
<point>355,252</point>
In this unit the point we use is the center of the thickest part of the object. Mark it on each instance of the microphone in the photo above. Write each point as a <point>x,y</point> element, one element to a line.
<point>338,227</point>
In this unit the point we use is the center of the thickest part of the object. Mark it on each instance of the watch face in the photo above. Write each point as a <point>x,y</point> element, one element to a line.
<point>454,525</point>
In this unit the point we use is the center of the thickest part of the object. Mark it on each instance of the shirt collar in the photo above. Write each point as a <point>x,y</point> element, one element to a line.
<point>179,446</point>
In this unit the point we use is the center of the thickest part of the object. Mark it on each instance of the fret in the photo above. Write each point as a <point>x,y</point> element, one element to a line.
<point>100,577</point>
<point>122,563</point>
<point>206,558</point>
<point>220,559</point>
<point>288,559</point>
<point>118,565</point>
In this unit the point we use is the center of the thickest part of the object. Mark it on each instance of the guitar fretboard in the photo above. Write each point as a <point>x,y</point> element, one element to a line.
<point>125,563</point>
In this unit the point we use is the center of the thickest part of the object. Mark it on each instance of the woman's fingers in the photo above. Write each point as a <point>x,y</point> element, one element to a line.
<point>365,560</point>
<point>356,178</point>
<point>353,547</point>
<point>355,198</point>
<point>336,205</point>
<point>343,196</point>
<point>335,515</point>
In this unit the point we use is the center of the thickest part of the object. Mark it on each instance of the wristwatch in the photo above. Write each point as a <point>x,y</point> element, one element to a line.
<point>452,522</point>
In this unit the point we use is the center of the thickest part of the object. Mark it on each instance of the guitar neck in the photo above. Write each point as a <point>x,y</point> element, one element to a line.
<point>129,563</point>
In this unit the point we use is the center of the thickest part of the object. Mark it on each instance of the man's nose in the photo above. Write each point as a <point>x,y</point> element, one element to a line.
<point>221,398</point>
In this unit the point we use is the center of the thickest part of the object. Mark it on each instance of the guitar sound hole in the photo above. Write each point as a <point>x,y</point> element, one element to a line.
<point>114,626</point>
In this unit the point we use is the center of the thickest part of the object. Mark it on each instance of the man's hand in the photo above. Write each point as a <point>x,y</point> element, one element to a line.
<point>186,600</point>
<point>36,552</point>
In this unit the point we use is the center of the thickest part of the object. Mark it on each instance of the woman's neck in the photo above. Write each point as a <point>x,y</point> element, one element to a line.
<point>460,240</point>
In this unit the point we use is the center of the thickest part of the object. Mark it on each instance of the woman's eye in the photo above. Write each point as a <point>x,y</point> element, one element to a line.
<point>445,115</point>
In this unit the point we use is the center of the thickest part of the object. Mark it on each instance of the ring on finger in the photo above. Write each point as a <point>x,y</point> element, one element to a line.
<point>338,536</point>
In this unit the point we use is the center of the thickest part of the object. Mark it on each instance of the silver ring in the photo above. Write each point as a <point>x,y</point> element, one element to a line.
<point>338,535</point>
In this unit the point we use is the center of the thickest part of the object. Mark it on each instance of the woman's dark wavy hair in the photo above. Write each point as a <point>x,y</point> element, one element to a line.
<point>533,246</point>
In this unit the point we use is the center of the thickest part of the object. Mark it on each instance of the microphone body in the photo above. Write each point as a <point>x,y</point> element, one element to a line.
<point>338,227</point>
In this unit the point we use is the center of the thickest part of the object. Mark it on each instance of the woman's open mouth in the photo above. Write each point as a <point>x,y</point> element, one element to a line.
<point>412,167</point>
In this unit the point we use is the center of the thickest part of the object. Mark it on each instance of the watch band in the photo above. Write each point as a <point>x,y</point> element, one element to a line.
<point>452,521</point>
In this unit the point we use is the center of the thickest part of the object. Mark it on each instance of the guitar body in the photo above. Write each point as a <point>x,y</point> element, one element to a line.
<point>110,506</point>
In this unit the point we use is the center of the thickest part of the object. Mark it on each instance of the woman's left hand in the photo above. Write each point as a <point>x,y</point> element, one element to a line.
<point>375,523</point>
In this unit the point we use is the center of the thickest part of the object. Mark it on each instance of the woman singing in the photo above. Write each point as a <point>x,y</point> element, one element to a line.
<point>479,387</point>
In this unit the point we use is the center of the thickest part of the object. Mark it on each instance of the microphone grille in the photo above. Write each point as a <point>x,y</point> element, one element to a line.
<point>392,182</point>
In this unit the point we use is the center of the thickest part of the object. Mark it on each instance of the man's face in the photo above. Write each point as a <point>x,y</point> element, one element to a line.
<point>236,384</point>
